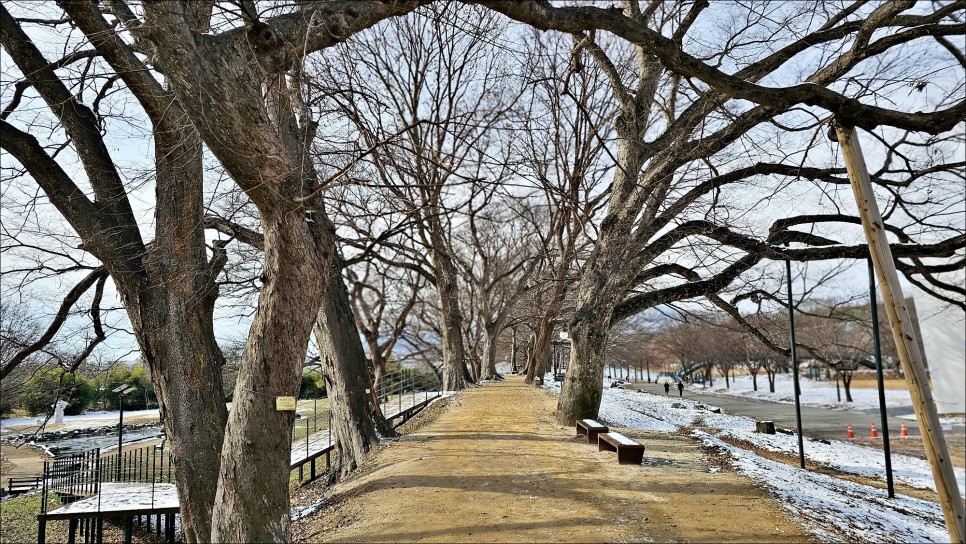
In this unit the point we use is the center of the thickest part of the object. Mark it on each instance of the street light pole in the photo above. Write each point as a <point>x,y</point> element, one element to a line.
<point>121,390</point>
<point>120,427</point>
<point>878,370</point>
<point>794,353</point>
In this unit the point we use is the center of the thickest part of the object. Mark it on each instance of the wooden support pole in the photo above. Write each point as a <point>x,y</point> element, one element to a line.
<point>904,335</point>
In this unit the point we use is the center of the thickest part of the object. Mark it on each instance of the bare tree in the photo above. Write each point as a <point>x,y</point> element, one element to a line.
<point>562,150</point>
<point>423,99</point>
<point>226,86</point>
<point>167,288</point>
<point>681,131</point>
<point>497,264</point>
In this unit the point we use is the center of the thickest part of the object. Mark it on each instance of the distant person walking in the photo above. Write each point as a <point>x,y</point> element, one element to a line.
<point>667,388</point>
<point>680,389</point>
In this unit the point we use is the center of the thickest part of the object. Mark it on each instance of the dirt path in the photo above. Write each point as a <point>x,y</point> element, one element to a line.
<point>495,467</point>
<point>20,462</point>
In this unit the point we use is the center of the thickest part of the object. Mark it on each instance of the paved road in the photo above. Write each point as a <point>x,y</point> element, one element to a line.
<point>817,422</point>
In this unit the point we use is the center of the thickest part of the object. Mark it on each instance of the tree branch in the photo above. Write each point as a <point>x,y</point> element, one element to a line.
<point>97,276</point>
<point>541,14</point>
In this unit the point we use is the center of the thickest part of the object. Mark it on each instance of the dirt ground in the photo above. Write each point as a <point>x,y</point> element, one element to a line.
<point>495,467</point>
<point>25,460</point>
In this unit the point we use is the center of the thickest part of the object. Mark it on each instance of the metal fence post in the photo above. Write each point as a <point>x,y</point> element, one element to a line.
<point>328,461</point>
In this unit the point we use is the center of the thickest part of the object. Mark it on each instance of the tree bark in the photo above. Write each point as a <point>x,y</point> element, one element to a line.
<point>252,501</point>
<point>455,372</point>
<point>346,378</point>
<point>175,328</point>
<point>540,355</point>
<point>489,351</point>
<point>168,290</point>
<point>583,386</point>
<point>603,282</point>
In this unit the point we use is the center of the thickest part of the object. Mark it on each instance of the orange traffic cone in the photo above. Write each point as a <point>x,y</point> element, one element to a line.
<point>851,435</point>
<point>875,433</point>
<point>903,432</point>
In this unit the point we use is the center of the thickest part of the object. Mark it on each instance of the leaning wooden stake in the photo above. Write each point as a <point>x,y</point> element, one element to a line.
<point>902,332</point>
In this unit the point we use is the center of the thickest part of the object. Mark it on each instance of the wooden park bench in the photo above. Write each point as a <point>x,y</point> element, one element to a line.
<point>590,428</point>
<point>628,451</point>
<point>16,486</point>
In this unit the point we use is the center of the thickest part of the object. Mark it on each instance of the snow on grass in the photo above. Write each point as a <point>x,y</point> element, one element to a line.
<point>631,409</point>
<point>833,509</point>
<point>814,393</point>
<point>83,421</point>
<point>849,458</point>
<point>300,512</point>
<point>947,421</point>
<point>836,509</point>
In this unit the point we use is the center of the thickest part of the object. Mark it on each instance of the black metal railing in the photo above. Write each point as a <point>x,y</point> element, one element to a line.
<point>82,475</point>
<point>401,395</point>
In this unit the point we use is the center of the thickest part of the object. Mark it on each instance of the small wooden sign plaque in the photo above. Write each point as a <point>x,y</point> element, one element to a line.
<point>283,404</point>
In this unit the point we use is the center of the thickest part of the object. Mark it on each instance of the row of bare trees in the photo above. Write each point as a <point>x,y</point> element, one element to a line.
<point>835,336</point>
<point>424,180</point>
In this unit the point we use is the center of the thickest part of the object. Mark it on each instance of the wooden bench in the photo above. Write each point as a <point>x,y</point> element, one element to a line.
<point>590,428</point>
<point>628,451</point>
<point>22,485</point>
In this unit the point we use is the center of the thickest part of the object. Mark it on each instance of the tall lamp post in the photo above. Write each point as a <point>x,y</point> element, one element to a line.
<point>878,371</point>
<point>553,356</point>
<point>564,340</point>
<point>794,354</point>
<point>121,390</point>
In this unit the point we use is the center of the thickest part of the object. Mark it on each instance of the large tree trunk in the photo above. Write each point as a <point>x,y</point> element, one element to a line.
<point>346,378</point>
<point>540,356</point>
<point>252,502</point>
<point>182,357</point>
<point>455,372</point>
<point>489,351</point>
<point>172,318</point>
<point>603,281</point>
<point>583,386</point>
<point>168,290</point>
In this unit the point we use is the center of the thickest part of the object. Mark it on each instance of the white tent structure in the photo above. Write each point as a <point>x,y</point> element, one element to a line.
<point>943,329</point>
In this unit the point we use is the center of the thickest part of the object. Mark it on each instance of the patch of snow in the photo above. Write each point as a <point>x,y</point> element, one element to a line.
<point>83,421</point>
<point>840,510</point>
<point>302,511</point>
<point>814,393</point>
<point>944,420</point>
<point>834,509</point>
<point>848,458</point>
<point>118,497</point>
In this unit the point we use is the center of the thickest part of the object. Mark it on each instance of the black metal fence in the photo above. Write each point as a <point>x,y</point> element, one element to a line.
<point>80,475</point>
<point>401,395</point>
